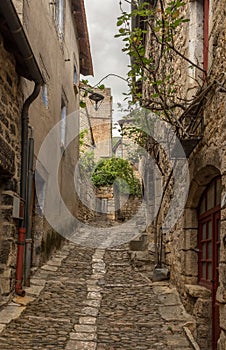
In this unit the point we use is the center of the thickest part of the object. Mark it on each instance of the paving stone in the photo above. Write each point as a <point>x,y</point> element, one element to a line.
<point>34,290</point>
<point>38,282</point>
<point>56,262</point>
<point>85,328</point>
<point>80,345</point>
<point>96,276</point>
<point>91,311</point>
<point>94,295</point>
<point>2,326</point>
<point>23,300</point>
<point>10,313</point>
<point>93,303</point>
<point>49,268</point>
<point>83,336</point>
<point>87,320</point>
<point>92,288</point>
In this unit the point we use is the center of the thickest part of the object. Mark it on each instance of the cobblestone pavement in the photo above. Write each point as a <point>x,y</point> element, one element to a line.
<point>93,299</point>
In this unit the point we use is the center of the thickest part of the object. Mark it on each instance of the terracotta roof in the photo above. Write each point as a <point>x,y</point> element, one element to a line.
<point>78,10</point>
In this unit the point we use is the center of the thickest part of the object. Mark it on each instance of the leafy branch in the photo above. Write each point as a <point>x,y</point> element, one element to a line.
<point>152,78</point>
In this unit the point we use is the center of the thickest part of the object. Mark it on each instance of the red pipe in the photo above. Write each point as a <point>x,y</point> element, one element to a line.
<point>20,258</point>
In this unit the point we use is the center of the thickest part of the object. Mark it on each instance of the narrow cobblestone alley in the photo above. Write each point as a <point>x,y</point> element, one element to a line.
<point>93,299</point>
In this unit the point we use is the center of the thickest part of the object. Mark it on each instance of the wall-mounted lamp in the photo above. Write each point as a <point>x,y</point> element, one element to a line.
<point>96,99</point>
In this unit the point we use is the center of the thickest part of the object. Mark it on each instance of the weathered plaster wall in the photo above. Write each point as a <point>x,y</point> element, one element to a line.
<point>58,58</point>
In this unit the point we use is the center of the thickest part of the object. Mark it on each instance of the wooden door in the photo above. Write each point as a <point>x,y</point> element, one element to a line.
<point>209,249</point>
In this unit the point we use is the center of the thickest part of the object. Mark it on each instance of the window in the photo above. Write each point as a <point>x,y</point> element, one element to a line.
<point>59,17</point>
<point>45,96</point>
<point>75,77</point>
<point>40,185</point>
<point>75,81</point>
<point>63,124</point>
<point>198,35</point>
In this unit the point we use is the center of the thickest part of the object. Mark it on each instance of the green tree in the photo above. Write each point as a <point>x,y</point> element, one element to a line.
<point>119,172</point>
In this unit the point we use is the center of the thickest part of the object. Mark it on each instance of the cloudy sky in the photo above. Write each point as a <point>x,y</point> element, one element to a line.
<point>106,50</point>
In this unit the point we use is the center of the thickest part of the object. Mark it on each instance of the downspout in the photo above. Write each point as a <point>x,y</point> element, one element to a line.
<point>23,189</point>
<point>28,216</point>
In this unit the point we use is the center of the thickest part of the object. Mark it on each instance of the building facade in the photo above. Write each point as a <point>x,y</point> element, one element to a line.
<point>56,34</point>
<point>194,248</point>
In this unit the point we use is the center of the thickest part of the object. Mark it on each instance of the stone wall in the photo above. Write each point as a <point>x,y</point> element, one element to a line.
<point>87,201</point>
<point>207,161</point>
<point>10,115</point>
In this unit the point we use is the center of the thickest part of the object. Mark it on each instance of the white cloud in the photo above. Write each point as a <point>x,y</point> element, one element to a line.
<point>106,50</point>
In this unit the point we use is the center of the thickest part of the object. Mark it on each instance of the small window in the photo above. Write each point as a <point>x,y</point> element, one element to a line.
<point>198,36</point>
<point>63,125</point>
<point>59,17</point>
<point>195,36</point>
<point>45,96</point>
<point>40,185</point>
<point>75,77</point>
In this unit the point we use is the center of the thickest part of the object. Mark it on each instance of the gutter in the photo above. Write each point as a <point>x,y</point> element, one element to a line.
<point>28,213</point>
<point>8,10</point>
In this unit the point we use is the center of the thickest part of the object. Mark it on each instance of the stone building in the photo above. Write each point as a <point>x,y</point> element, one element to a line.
<point>96,119</point>
<point>95,144</point>
<point>194,247</point>
<point>51,52</point>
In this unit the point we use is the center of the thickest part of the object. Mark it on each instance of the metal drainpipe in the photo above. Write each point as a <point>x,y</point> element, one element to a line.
<point>23,188</point>
<point>27,270</point>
